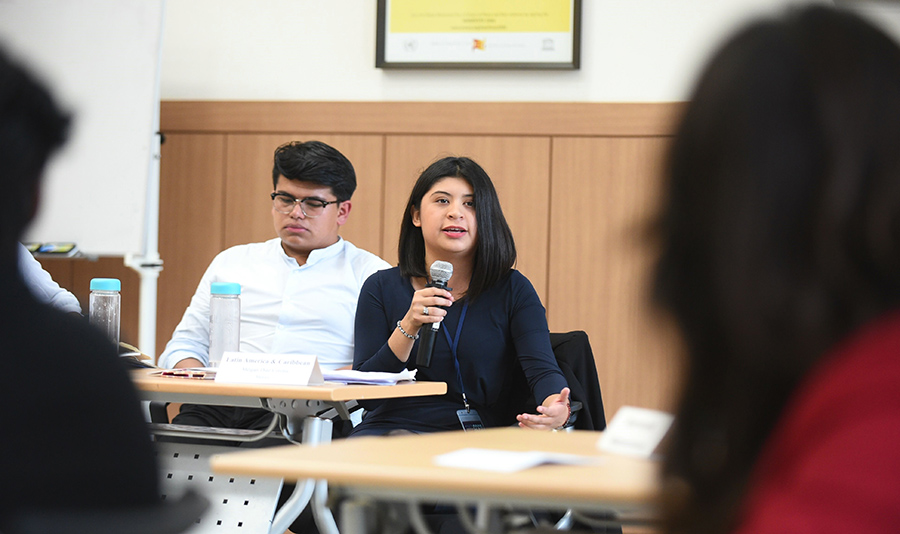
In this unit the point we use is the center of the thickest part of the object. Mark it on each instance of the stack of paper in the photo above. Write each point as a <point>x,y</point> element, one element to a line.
<point>348,376</point>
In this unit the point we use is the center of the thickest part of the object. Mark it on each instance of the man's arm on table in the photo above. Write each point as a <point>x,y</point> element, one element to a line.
<point>188,362</point>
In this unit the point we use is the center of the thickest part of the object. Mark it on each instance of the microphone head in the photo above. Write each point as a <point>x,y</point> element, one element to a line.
<point>441,271</point>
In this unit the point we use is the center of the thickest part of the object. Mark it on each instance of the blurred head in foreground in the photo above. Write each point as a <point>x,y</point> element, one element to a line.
<point>779,237</point>
<point>31,128</point>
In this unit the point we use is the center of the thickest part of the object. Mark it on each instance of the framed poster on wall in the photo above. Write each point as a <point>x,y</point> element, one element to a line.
<point>478,34</point>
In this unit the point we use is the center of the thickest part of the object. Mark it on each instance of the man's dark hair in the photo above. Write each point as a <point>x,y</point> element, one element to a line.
<point>315,162</point>
<point>495,249</point>
<point>31,128</point>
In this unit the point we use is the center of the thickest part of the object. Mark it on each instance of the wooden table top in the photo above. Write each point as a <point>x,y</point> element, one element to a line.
<point>404,466</point>
<point>333,392</point>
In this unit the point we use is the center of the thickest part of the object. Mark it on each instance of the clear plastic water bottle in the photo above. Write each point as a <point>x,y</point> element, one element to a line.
<point>224,320</point>
<point>105,306</point>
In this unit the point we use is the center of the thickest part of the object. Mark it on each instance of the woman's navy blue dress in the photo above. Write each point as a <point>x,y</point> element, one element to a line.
<point>503,351</point>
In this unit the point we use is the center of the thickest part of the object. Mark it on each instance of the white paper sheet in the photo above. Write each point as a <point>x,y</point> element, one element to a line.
<point>349,376</point>
<point>501,461</point>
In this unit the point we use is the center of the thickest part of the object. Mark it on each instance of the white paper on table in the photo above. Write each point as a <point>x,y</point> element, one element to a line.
<point>508,461</point>
<point>349,376</point>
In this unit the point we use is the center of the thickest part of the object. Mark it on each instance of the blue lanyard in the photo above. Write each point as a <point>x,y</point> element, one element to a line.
<point>454,343</point>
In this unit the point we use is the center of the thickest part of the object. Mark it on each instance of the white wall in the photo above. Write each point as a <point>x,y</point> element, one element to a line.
<point>100,60</point>
<point>632,51</point>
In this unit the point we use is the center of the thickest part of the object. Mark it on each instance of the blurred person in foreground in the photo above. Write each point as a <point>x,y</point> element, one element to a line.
<point>73,436</point>
<point>780,263</point>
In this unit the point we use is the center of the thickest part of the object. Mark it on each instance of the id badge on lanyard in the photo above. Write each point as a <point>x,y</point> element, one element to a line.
<point>468,417</point>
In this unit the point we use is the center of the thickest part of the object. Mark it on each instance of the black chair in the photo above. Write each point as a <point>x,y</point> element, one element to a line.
<point>159,412</point>
<point>576,361</point>
<point>168,517</point>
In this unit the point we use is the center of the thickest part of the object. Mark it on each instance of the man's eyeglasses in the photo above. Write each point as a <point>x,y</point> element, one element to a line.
<point>311,207</point>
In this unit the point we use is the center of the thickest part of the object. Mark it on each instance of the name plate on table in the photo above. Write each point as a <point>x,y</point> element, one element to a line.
<point>269,369</point>
<point>635,431</point>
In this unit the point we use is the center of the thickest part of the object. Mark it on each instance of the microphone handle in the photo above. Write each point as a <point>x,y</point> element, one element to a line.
<point>426,345</point>
<point>427,337</point>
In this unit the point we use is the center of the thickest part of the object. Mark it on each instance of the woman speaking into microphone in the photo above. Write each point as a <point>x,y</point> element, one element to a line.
<point>492,339</point>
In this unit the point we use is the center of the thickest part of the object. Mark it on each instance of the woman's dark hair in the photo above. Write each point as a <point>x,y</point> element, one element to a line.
<point>780,235</point>
<point>495,250</point>
<point>315,162</point>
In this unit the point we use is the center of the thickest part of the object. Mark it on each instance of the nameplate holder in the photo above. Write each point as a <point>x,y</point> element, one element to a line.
<point>269,369</point>
<point>635,431</point>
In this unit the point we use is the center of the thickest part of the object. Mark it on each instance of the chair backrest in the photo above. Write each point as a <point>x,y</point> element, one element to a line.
<point>169,517</point>
<point>576,361</point>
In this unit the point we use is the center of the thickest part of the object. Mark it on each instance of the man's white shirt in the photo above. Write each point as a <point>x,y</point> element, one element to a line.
<point>285,308</point>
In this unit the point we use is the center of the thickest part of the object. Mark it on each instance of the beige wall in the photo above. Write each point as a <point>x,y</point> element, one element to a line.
<point>631,51</point>
<point>577,183</point>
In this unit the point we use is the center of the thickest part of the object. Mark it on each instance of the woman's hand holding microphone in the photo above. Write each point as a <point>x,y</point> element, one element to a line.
<point>425,308</point>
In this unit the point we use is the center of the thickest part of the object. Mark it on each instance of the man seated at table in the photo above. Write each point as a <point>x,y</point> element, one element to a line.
<point>72,434</point>
<point>298,290</point>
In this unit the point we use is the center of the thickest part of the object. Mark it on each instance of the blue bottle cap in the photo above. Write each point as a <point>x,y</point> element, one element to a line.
<point>225,288</point>
<point>106,284</point>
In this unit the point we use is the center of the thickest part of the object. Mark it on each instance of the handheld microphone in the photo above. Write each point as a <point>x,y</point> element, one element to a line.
<point>441,271</point>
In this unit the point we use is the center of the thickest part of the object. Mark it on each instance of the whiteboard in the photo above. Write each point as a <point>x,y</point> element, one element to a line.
<point>100,59</point>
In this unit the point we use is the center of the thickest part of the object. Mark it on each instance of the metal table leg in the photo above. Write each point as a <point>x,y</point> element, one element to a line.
<point>312,492</point>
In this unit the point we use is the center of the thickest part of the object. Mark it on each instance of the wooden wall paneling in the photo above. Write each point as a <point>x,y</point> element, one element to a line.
<point>248,209</point>
<point>191,221</point>
<point>518,166</point>
<point>446,118</point>
<point>603,192</point>
<point>248,182</point>
<point>602,158</point>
